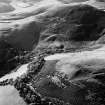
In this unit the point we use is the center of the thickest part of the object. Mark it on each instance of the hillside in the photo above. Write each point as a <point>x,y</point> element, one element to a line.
<point>52,52</point>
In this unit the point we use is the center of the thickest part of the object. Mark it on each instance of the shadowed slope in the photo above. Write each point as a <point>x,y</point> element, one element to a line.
<point>56,75</point>
<point>4,8</point>
<point>71,27</point>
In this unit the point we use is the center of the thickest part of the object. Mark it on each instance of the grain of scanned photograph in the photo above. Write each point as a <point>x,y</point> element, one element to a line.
<point>52,52</point>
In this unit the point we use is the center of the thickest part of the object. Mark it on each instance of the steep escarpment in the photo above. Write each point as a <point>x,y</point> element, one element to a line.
<point>75,78</point>
<point>10,58</point>
<point>72,27</point>
<point>65,64</point>
<point>75,22</point>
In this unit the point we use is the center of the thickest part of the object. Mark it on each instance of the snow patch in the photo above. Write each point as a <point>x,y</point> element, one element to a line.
<point>98,53</point>
<point>10,96</point>
<point>22,70</point>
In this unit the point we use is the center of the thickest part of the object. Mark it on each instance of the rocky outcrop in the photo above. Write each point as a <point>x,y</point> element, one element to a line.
<point>66,64</point>
<point>73,27</point>
<point>10,58</point>
<point>74,78</point>
<point>74,22</point>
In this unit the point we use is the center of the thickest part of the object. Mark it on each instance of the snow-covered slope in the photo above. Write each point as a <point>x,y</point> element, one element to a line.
<point>65,64</point>
<point>18,73</point>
